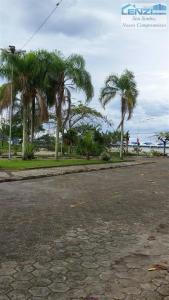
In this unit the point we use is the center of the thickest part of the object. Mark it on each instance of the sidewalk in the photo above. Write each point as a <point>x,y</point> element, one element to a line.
<point>6,176</point>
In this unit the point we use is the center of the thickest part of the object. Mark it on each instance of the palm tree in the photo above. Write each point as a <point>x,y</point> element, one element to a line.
<point>41,79</point>
<point>30,80</point>
<point>73,76</point>
<point>127,138</point>
<point>126,87</point>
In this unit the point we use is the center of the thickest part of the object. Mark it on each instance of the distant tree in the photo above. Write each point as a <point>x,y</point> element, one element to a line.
<point>111,138</point>
<point>87,144</point>
<point>70,138</point>
<point>83,114</point>
<point>46,141</point>
<point>91,138</point>
<point>164,138</point>
<point>83,128</point>
<point>124,86</point>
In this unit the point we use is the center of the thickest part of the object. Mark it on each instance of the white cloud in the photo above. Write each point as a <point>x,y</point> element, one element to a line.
<point>93,29</point>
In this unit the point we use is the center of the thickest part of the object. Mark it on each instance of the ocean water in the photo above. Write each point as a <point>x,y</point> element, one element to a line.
<point>146,149</point>
<point>153,148</point>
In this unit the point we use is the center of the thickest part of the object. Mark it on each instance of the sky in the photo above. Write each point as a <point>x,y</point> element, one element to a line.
<point>93,29</point>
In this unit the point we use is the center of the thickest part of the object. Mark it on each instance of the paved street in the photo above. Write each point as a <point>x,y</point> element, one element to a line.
<point>86,236</point>
<point>9,175</point>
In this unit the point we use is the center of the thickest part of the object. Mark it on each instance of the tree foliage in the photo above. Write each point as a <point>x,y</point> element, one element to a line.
<point>125,87</point>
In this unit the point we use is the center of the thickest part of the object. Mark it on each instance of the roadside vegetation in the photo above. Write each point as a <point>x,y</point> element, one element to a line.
<point>125,87</point>
<point>17,164</point>
<point>47,121</point>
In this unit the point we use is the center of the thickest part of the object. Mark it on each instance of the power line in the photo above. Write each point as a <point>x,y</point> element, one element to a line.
<point>42,24</point>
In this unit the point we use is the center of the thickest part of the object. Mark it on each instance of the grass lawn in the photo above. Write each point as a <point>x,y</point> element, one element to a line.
<point>18,164</point>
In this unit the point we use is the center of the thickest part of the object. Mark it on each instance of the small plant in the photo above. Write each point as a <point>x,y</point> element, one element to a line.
<point>29,151</point>
<point>155,153</point>
<point>15,150</point>
<point>105,156</point>
<point>87,145</point>
<point>137,150</point>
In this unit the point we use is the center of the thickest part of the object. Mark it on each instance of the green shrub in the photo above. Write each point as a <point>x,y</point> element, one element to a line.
<point>105,156</point>
<point>30,151</point>
<point>15,150</point>
<point>137,149</point>
<point>155,153</point>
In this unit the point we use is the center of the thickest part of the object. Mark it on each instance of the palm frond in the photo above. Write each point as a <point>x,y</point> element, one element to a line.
<point>5,96</point>
<point>107,94</point>
<point>76,72</point>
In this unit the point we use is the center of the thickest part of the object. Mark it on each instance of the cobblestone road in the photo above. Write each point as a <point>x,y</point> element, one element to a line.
<point>88,236</point>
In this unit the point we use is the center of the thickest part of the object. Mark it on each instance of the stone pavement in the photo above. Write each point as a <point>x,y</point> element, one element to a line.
<point>6,176</point>
<point>86,236</point>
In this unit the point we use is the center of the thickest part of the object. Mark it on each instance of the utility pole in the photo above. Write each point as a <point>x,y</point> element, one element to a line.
<point>11,50</point>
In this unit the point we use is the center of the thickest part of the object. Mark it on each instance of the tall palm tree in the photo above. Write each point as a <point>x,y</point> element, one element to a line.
<point>124,86</point>
<point>73,76</point>
<point>30,80</point>
<point>23,70</point>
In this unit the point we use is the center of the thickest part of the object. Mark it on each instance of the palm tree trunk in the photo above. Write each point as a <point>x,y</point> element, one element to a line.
<point>127,146</point>
<point>32,120</point>
<point>61,149</point>
<point>164,148</point>
<point>88,156</point>
<point>25,130</point>
<point>57,141</point>
<point>123,104</point>
<point>122,139</point>
<point>69,149</point>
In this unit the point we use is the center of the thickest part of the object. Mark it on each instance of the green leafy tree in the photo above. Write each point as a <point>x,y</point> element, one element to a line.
<point>164,138</point>
<point>125,87</point>
<point>70,138</point>
<point>73,76</point>
<point>91,137</point>
<point>87,144</point>
<point>30,80</point>
<point>83,114</point>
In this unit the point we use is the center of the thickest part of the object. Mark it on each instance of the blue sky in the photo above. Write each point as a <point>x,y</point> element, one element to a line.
<point>93,29</point>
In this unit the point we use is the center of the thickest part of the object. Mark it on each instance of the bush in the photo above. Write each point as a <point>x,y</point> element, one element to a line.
<point>15,149</point>
<point>137,149</point>
<point>30,151</point>
<point>155,153</point>
<point>105,156</point>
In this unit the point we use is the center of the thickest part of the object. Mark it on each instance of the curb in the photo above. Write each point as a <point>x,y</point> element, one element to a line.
<point>82,170</point>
